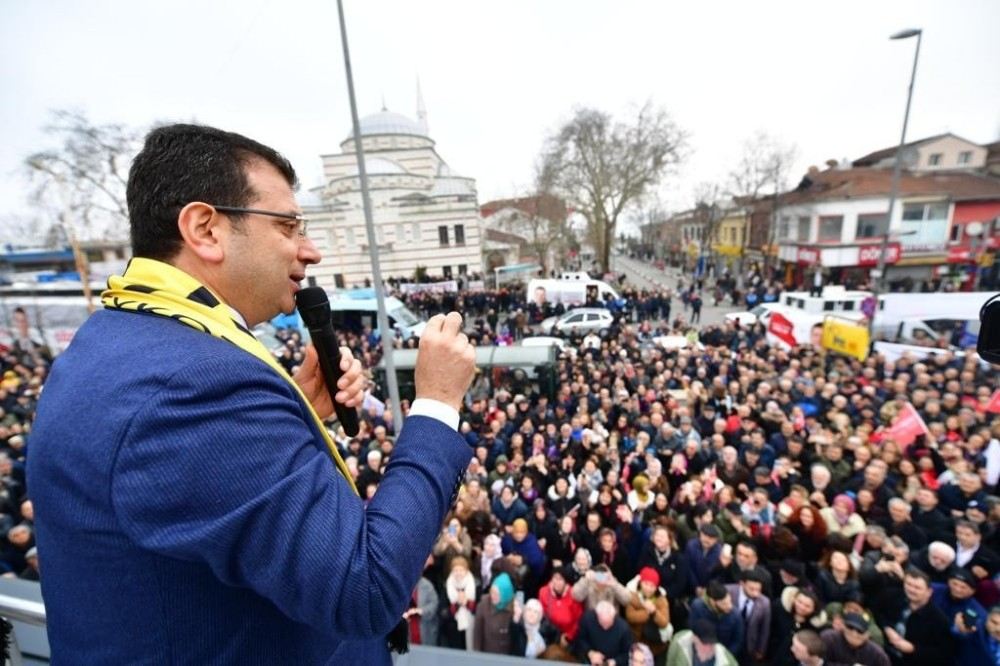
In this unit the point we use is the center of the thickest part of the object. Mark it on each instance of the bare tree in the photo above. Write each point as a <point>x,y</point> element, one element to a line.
<point>709,206</point>
<point>763,167</point>
<point>605,167</point>
<point>81,182</point>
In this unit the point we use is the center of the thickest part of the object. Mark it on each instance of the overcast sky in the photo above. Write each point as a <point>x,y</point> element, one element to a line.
<point>497,77</point>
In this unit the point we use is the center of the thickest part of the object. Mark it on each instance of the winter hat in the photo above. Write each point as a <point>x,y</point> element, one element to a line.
<point>649,575</point>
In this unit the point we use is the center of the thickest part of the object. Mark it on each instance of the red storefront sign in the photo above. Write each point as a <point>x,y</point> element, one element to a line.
<point>959,255</point>
<point>868,255</point>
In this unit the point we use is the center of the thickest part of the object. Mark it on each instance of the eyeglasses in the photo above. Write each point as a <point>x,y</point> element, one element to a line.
<point>299,228</point>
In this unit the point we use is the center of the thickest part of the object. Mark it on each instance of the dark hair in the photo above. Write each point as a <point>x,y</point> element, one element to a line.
<point>914,572</point>
<point>716,590</point>
<point>968,524</point>
<point>179,164</point>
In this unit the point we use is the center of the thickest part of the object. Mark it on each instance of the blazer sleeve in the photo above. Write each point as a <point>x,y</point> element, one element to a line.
<point>224,466</point>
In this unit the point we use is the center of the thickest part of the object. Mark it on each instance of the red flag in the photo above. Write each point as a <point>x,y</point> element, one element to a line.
<point>994,404</point>
<point>907,427</point>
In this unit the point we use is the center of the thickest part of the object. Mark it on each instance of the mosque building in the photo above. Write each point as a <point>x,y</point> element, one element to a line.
<point>426,217</point>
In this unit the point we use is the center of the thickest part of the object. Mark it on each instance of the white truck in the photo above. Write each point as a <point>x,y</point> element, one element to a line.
<point>571,292</point>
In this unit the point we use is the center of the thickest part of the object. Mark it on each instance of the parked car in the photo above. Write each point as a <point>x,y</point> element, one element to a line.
<point>759,313</point>
<point>579,322</point>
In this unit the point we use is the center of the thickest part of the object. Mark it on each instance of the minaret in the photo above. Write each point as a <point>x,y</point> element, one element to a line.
<point>421,109</point>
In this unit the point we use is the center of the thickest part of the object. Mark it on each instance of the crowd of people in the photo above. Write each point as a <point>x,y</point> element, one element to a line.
<point>728,502</point>
<point>732,501</point>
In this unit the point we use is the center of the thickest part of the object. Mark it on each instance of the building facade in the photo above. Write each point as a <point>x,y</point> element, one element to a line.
<point>426,217</point>
<point>836,219</point>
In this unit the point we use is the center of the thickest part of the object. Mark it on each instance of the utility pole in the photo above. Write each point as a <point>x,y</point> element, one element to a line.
<point>388,334</point>
<point>879,283</point>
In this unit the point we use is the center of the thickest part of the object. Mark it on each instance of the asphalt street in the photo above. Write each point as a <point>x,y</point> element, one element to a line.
<point>647,276</point>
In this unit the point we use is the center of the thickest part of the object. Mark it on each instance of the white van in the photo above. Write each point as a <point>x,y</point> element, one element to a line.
<point>355,309</point>
<point>571,292</point>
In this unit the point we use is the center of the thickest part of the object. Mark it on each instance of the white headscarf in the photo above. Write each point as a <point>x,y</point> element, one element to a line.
<point>491,553</point>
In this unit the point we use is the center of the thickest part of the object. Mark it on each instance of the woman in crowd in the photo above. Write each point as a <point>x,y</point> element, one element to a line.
<point>841,518</point>
<point>461,590</point>
<point>494,617</point>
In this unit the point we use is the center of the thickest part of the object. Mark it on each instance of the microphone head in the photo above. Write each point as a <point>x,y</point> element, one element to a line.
<point>313,306</point>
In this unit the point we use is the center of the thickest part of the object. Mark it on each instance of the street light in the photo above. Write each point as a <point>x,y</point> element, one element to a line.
<point>879,283</point>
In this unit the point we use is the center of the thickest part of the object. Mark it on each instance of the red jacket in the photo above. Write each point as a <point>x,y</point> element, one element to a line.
<point>563,612</point>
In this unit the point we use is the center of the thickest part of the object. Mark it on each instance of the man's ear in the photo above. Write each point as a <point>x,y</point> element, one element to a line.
<point>202,230</point>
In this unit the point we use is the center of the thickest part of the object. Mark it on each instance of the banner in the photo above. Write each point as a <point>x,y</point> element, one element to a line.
<point>845,337</point>
<point>780,327</point>
<point>907,427</point>
<point>430,287</point>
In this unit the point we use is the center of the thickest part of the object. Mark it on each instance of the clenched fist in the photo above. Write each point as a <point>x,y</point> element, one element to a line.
<point>446,362</point>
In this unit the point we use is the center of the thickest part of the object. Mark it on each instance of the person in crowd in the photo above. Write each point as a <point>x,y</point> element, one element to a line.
<point>532,634</point>
<point>598,584</point>
<point>808,648</point>
<point>604,637</point>
<point>935,560</point>
<point>702,554</point>
<point>837,579</point>
<point>921,633</point>
<point>648,613</point>
<point>494,617</point>
<point>742,559</point>
<point>754,609</point>
<point>490,557</point>
<point>454,540</point>
<point>972,553</point>
<point>852,644</point>
<point>559,606</point>
<point>524,556</point>
<point>841,518</point>
<point>460,587</point>
<point>640,655</point>
<point>716,606</point>
<point>421,616</point>
<point>797,609</point>
<point>699,645</point>
<point>901,524</point>
<point>982,643</point>
<point>882,578</point>
<point>956,600</point>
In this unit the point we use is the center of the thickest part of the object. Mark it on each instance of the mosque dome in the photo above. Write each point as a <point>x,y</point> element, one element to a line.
<point>390,122</point>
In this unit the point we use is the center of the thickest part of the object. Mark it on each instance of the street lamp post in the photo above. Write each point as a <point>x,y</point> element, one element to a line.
<point>879,282</point>
<point>387,332</point>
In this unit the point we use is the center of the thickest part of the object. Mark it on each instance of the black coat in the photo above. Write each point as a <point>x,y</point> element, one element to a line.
<point>673,570</point>
<point>934,523</point>
<point>613,643</point>
<point>930,632</point>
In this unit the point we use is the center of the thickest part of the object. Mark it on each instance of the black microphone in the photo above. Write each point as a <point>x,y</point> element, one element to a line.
<point>314,307</point>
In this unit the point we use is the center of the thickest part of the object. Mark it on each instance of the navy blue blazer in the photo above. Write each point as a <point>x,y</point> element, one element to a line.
<point>188,512</point>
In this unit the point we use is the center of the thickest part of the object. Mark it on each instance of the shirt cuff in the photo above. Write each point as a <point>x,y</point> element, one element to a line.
<point>435,409</point>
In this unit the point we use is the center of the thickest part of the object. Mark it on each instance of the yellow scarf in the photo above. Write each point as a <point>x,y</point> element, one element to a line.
<point>153,287</point>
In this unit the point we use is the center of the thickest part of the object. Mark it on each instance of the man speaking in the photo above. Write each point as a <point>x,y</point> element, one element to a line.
<point>190,506</point>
